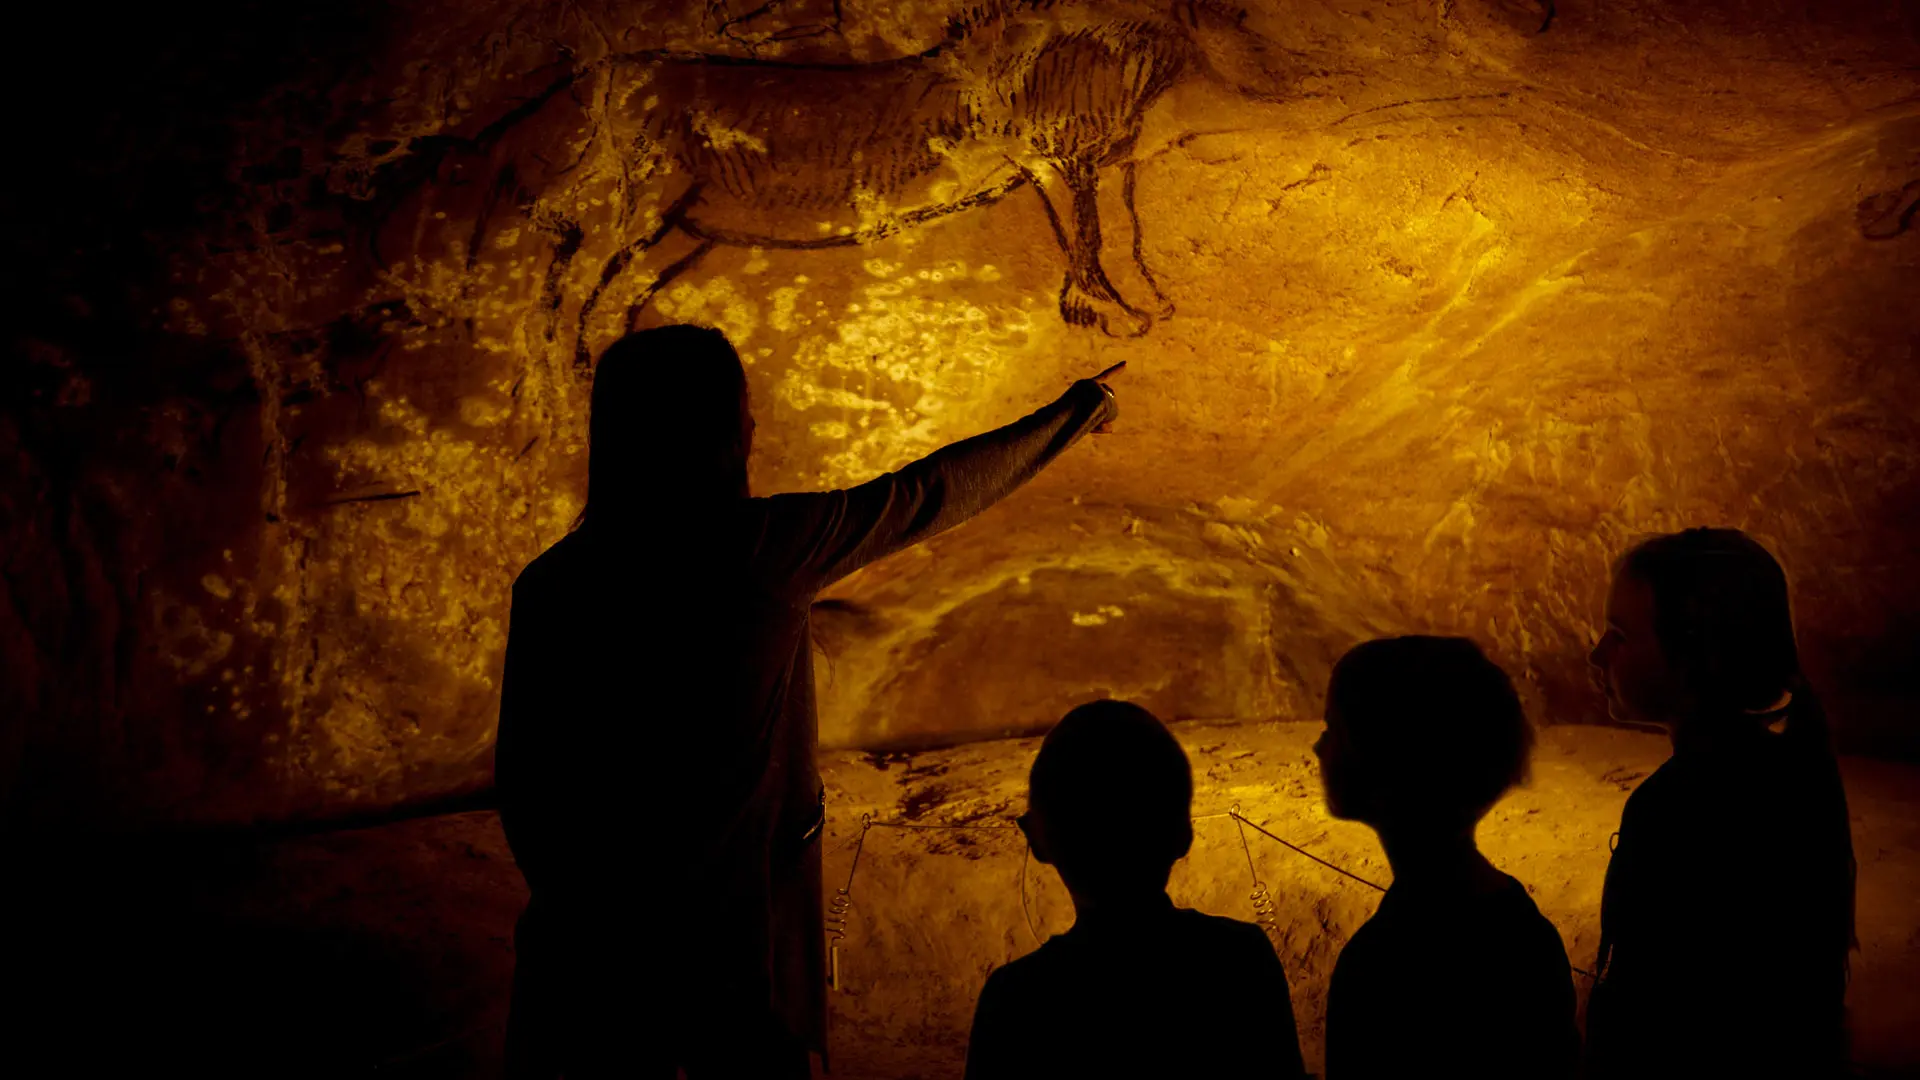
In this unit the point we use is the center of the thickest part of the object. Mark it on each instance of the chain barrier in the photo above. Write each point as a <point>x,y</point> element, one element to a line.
<point>1298,850</point>
<point>843,903</point>
<point>1265,909</point>
<point>1264,912</point>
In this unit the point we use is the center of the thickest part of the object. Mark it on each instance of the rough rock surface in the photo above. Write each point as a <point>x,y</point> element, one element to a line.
<point>389,949</point>
<point>934,911</point>
<point>1431,311</point>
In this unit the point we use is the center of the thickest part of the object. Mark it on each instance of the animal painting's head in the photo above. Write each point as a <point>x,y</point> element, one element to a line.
<point>1235,55</point>
<point>670,427</point>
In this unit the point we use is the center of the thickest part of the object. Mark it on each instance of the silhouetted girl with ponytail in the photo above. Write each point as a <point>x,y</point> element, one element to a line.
<point>1727,917</point>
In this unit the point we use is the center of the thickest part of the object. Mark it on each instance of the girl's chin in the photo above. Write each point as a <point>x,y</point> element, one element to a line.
<point>1617,710</point>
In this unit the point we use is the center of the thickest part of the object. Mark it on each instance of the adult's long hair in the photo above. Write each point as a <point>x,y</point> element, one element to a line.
<point>1725,625</point>
<point>670,429</point>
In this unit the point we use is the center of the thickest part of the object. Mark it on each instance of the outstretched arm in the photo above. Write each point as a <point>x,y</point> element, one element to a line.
<point>845,530</point>
<point>1270,1002</point>
<point>523,770</point>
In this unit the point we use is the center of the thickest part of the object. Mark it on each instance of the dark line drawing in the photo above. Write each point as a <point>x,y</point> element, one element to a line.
<point>385,496</point>
<point>734,27</point>
<point>1420,101</point>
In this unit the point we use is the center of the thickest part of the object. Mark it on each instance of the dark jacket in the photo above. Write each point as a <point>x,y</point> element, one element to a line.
<point>1443,982</point>
<point>655,763</point>
<point>1725,918</point>
<point>1166,992</point>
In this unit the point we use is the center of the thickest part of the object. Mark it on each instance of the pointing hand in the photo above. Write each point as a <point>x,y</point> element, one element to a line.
<point>1106,426</point>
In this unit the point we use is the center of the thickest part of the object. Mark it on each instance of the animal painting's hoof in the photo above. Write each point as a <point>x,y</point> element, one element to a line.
<point>1078,312</point>
<point>1890,213</point>
<point>1110,317</point>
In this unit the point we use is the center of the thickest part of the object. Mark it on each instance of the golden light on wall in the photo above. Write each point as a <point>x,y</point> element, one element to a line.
<point>1426,312</point>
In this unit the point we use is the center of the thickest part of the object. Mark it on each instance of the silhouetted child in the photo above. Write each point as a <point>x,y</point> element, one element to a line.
<point>1457,973</point>
<point>1138,987</point>
<point>1727,918</point>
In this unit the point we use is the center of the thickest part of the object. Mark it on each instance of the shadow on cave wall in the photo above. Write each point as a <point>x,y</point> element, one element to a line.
<point>159,491</point>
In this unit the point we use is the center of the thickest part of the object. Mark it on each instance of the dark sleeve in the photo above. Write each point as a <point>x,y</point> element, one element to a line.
<point>1625,884</point>
<point>1565,1018</point>
<point>1628,964</point>
<point>993,1050</point>
<point>1353,1015</point>
<point>520,766</point>
<point>1557,1003</point>
<point>830,535</point>
<point>1272,1004</point>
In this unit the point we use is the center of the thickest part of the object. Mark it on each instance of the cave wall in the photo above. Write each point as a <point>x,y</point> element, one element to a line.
<point>1429,312</point>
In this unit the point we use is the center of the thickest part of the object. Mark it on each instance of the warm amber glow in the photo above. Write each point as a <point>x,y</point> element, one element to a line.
<point>1427,311</point>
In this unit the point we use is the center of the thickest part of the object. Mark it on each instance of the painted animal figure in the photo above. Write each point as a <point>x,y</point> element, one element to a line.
<point>1019,93</point>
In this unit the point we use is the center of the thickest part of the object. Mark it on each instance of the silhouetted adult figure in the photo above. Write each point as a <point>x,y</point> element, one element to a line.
<point>1728,911</point>
<point>656,751</point>
<point>1457,973</point>
<point>1138,987</point>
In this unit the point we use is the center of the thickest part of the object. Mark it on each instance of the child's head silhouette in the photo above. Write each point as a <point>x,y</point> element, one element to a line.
<point>1700,631</point>
<point>1110,800</point>
<point>1421,732</point>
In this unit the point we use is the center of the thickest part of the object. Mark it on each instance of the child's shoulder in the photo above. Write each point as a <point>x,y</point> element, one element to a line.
<point>1201,923</point>
<point>1221,936</point>
<point>1030,975</point>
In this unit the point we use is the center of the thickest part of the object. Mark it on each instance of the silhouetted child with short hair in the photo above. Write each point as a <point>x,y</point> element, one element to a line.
<point>1457,973</point>
<point>1138,987</point>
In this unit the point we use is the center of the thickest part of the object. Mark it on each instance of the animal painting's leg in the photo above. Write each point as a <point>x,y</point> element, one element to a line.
<point>450,179</point>
<point>670,219</point>
<point>504,181</point>
<point>1164,307</point>
<point>661,280</point>
<point>1087,296</point>
<point>568,236</point>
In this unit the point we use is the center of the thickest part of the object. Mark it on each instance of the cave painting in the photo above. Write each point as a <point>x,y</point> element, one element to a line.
<point>752,24</point>
<point>800,156</point>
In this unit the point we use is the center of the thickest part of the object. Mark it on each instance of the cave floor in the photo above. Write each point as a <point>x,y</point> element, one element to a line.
<point>386,951</point>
